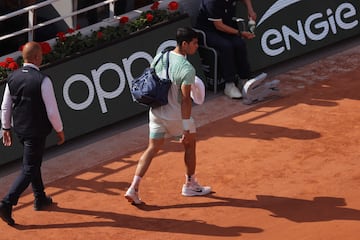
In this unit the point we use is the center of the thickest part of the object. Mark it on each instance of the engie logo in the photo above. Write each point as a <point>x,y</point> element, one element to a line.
<point>315,27</point>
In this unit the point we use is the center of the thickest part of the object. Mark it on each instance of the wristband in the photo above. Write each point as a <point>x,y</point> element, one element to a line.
<point>186,124</point>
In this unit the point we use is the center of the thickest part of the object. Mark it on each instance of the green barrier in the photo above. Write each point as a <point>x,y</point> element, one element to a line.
<point>92,90</point>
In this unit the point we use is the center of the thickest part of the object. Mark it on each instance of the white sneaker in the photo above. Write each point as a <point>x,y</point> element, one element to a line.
<point>195,189</point>
<point>232,91</point>
<point>132,196</point>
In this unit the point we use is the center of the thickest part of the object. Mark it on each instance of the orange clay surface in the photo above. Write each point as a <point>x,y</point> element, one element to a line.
<point>288,168</point>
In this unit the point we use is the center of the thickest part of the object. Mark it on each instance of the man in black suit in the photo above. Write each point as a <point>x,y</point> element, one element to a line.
<point>29,100</point>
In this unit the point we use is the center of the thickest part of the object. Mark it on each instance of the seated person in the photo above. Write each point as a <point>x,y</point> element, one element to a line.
<point>216,19</point>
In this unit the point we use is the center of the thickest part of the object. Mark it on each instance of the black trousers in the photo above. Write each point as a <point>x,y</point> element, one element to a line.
<point>232,52</point>
<point>31,170</point>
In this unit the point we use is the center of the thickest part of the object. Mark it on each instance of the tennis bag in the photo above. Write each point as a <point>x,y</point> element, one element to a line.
<point>149,89</point>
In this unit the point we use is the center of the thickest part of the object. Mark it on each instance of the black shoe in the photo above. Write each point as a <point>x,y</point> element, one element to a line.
<point>5,213</point>
<point>40,203</point>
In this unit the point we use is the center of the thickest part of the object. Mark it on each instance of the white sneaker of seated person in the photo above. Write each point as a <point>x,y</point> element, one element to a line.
<point>232,91</point>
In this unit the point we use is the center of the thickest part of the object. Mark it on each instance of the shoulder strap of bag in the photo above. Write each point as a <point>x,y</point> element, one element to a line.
<point>167,61</point>
<point>167,64</point>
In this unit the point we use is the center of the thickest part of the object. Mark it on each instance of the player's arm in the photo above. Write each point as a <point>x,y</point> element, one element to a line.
<point>186,102</point>
<point>186,105</point>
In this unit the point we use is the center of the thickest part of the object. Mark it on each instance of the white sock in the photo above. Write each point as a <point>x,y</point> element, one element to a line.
<point>136,182</point>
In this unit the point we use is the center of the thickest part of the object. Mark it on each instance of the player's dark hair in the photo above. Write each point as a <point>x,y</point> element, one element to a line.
<point>186,34</point>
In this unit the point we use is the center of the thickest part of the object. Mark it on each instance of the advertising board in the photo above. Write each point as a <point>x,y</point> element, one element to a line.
<point>289,28</point>
<point>92,90</point>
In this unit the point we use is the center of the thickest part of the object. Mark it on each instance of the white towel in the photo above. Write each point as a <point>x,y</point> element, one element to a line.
<point>198,91</point>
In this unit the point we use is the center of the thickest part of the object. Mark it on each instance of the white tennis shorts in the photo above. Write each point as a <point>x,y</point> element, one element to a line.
<point>161,128</point>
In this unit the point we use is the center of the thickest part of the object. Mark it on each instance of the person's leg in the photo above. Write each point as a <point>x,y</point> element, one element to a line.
<point>227,61</point>
<point>156,140</point>
<point>142,167</point>
<point>36,179</point>
<point>242,62</point>
<point>41,200</point>
<point>191,186</point>
<point>30,167</point>
<point>30,170</point>
<point>146,158</point>
<point>226,55</point>
<point>190,155</point>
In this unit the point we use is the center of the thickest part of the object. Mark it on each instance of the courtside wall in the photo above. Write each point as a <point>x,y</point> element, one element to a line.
<point>92,89</point>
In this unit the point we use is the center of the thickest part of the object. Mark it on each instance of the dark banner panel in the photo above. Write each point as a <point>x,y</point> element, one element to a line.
<point>289,28</point>
<point>93,91</point>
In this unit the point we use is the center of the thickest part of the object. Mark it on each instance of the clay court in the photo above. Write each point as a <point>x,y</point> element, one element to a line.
<point>288,168</point>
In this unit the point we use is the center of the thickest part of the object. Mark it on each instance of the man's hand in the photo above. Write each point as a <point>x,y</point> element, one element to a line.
<point>7,141</point>
<point>247,35</point>
<point>61,137</point>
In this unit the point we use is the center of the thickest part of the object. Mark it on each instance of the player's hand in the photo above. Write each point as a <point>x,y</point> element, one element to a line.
<point>185,138</point>
<point>247,35</point>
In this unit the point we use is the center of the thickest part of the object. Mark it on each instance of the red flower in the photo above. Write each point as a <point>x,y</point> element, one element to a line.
<point>155,5</point>
<point>99,35</point>
<point>149,17</point>
<point>77,27</point>
<point>3,64</point>
<point>61,36</point>
<point>70,30</point>
<point>173,6</point>
<point>13,66</point>
<point>123,19</point>
<point>45,47</point>
<point>9,60</point>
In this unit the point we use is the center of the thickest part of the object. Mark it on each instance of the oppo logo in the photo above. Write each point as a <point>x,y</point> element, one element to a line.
<point>316,27</point>
<point>93,86</point>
